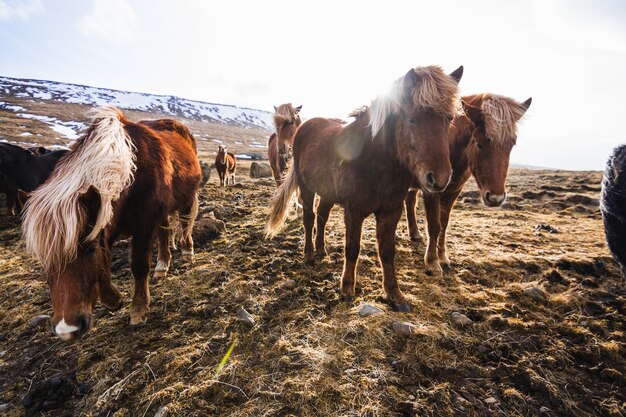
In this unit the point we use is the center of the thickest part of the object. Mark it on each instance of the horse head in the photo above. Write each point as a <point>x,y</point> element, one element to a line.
<point>420,106</point>
<point>222,151</point>
<point>495,132</point>
<point>287,121</point>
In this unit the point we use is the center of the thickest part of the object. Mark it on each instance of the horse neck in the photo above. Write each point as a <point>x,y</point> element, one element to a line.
<point>460,138</point>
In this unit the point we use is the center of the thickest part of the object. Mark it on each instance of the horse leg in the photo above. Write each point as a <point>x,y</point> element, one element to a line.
<point>221,178</point>
<point>109,294</point>
<point>164,255</point>
<point>11,204</point>
<point>187,219</point>
<point>447,200</point>
<point>308,198</point>
<point>140,266</point>
<point>353,221</point>
<point>386,223</point>
<point>323,210</point>
<point>432,209</point>
<point>410,201</point>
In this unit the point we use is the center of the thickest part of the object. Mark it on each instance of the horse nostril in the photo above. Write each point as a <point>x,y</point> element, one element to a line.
<point>83,325</point>
<point>430,179</point>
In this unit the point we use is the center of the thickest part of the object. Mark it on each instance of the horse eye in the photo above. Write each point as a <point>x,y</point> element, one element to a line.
<point>412,120</point>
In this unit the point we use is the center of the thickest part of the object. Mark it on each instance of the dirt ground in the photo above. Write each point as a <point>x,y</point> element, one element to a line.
<point>546,302</point>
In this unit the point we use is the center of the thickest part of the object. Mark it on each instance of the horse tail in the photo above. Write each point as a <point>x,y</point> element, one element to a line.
<point>279,206</point>
<point>102,161</point>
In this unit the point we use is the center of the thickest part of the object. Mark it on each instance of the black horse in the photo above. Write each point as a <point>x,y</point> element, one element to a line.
<point>613,205</point>
<point>20,169</point>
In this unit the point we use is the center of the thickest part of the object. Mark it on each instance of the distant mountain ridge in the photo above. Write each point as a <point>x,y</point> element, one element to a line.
<point>172,105</point>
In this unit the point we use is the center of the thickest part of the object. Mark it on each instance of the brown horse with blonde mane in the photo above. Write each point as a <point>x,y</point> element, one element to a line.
<point>226,165</point>
<point>119,179</point>
<point>287,121</point>
<point>481,141</point>
<point>366,166</point>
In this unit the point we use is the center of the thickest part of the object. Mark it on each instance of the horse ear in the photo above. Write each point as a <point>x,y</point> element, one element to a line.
<point>457,73</point>
<point>473,113</point>
<point>298,109</point>
<point>275,109</point>
<point>526,104</point>
<point>22,197</point>
<point>411,79</point>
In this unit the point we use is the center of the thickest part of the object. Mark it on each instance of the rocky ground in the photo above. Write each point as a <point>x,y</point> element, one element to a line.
<point>529,321</point>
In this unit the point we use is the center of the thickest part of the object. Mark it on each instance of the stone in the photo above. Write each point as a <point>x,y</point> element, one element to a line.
<point>403,327</point>
<point>491,401</point>
<point>260,170</point>
<point>289,284</point>
<point>162,412</point>
<point>461,319</point>
<point>536,294</point>
<point>39,320</point>
<point>368,310</point>
<point>244,317</point>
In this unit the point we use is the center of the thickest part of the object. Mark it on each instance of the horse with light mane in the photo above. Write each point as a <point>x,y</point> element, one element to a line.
<point>226,165</point>
<point>287,121</point>
<point>120,179</point>
<point>481,140</point>
<point>366,166</point>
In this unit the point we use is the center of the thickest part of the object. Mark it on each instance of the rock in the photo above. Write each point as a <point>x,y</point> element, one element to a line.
<point>244,317</point>
<point>461,319</point>
<point>206,172</point>
<point>289,284</point>
<point>40,320</point>
<point>162,412</point>
<point>544,410</point>
<point>536,294</point>
<point>207,228</point>
<point>403,327</point>
<point>368,310</point>
<point>4,407</point>
<point>491,401</point>
<point>260,170</point>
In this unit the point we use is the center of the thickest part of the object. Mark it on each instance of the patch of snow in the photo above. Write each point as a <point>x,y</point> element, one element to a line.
<point>26,134</point>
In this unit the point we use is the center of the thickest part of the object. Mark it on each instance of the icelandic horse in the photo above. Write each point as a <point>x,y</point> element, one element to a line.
<point>287,121</point>
<point>226,165</point>
<point>366,166</point>
<point>613,205</point>
<point>481,140</point>
<point>120,179</point>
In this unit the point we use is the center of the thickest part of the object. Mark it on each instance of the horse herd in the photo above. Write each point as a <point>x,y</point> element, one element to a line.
<point>125,179</point>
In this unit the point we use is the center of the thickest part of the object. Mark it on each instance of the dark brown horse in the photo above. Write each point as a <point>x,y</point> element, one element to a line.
<point>226,165</point>
<point>366,166</point>
<point>23,169</point>
<point>287,121</point>
<point>481,141</point>
<point>120,179</point>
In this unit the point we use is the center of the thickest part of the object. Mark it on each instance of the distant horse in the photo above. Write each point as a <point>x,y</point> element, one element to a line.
<point>613,205</point>
<point>366,166</point>
<point>481,141</point>
<point>226,165</point>
<point>119,179</point>
<point>287,121</point>
<point>21,169</point>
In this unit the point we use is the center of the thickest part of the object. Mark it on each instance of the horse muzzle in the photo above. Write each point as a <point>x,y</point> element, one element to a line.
<point>493,200</point>
<point>74,331</point>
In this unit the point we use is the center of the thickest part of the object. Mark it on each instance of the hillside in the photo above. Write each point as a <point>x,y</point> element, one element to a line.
<point>545,301</point>
<point>52,113</point>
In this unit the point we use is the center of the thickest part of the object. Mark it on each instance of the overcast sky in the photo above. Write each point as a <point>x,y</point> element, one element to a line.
<point>334,56</point>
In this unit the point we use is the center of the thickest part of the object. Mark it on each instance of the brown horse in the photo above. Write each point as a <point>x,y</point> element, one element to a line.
<point>366,166</point>
<point>287,121</point>
<point>226,165</point>
<point>120,179</point>
<point>481,141</point>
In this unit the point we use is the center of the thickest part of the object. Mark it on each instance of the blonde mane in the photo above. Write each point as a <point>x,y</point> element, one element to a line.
<point>436,90</point>
<point>285,113</point>
<point>501,115</point>
<point>54,219</point>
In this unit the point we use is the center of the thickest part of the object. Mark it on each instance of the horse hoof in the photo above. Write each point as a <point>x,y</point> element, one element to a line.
<point>435,270</point>
<point>402,307</point>
<point>348,298</point>
<point>417,239</point>
<point>138,320</point>
<point>158,275</point>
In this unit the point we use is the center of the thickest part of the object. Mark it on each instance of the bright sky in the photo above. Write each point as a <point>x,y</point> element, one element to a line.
<point>333,56</point>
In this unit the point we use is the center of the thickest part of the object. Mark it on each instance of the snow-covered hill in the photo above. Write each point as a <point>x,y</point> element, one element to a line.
<point>175,106</point>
